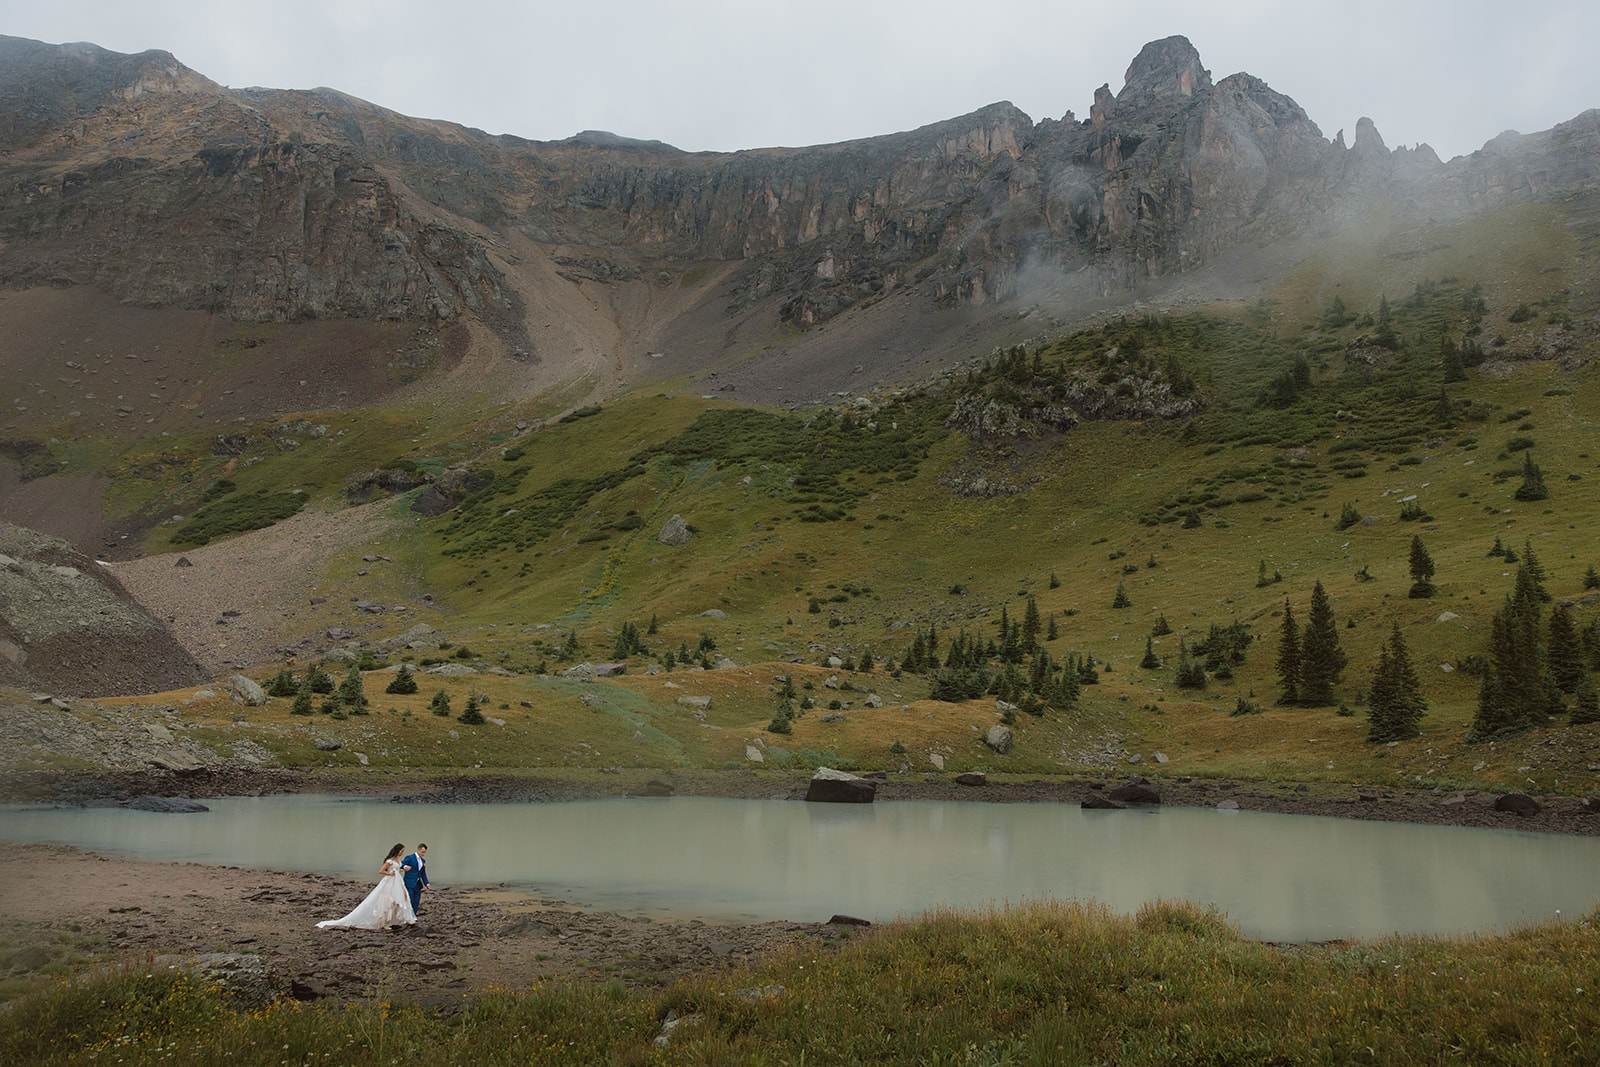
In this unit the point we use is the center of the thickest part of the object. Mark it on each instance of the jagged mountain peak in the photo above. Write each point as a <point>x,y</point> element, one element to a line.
<point>1163,70</point>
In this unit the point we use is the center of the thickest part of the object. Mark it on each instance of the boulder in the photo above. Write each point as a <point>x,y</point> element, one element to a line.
<point>658,787</point>
<point>1518,804</point>
<point>675,532</point>
<point>1101,803</point>
<point>998,738</point>
<point>972,778</point>
<point>242,690</point>
<point>1135,793</point>
<point>836,787</point>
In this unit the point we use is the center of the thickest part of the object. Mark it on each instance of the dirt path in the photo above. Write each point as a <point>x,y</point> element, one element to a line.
<point>61,901</point>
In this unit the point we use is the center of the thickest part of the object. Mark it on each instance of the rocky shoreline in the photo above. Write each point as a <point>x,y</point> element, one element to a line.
<point>1545,813</point>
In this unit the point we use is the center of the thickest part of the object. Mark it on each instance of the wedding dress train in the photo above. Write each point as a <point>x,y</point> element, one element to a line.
<point>387,905</point>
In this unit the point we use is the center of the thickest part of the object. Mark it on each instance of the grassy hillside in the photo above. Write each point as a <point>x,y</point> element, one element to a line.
<point>1210,466</point>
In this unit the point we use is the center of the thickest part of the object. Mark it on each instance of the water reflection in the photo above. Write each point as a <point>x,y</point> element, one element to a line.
<point>1281,877</point>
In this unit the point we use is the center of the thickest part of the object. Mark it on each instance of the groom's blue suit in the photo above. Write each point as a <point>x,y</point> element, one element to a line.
<point>416,877</point>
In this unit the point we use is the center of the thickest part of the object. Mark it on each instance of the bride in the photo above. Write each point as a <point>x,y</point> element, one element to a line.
<point>387,905</point>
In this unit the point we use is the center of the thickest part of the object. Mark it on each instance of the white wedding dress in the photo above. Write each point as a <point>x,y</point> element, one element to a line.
<point>387,905</point>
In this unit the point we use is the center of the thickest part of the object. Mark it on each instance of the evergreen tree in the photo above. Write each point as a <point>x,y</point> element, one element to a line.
<point>1289,657</point>
<point>1532,487</point>
<point>1055,583</point>
<point>1121,599</point>
<point>440,704</point>
<point>1421,570</point>
<point>1162,627</point>
<point>302,702</point>
<point>1394,701</point>
<point>1591,578</point>
<point>1322,661</point>
<point>1190,674</point>
<point>404,682</point>
<point>1051,633</point>
<point>1564,650</point>
<point>470,714</point>
<point>282,684</point>
<point>1151,661</point>
<point>1454,367</point>
<point>319,680</point>
<point>1030,627</point>
<point>1585,703</point>
<point>1531,573</point>
<point>782,719</point>
<point>351,695</point>
<point>1516,691</point>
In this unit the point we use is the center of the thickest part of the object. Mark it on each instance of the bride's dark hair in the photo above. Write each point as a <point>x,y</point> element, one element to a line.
<point>393,852</point>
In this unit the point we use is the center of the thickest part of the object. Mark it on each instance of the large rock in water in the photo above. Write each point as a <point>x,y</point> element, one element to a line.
<point>1135,793</point>
<point>837,787</point>
<point>68,625</point>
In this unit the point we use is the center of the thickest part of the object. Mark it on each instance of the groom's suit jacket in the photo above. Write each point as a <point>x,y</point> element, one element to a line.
<point>416,870</point>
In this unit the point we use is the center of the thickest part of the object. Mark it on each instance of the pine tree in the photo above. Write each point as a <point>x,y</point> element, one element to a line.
<point>1516,692</point>
<point>282,684</point>
<point>1531,573</point>
<point>1151,661</point>
<point>470,714</point>
<point>351,695</point>
<point>1454,367</point>
<point>1394,701</point>
<point>1532,487</point>
<point>1322,661</point>
<point>1591,578</point>
<point>1564,650</point>
<point>1421,570</point>
<point>782,719</point>
<point>1121,599</point>
<point>1585,703</point>
<point>319,680</point>
<point>1289,657</point>
<point>1030,627</point>
<point>1162,627</point>
<point>1051,633</point>
<point>404,682</point>
<point>302,702</point>
<point>440,704</point>
<point>1190,674</point>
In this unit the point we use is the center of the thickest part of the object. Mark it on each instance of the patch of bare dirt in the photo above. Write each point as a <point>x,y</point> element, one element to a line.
<point>238,602</point>
<point>465,941</point>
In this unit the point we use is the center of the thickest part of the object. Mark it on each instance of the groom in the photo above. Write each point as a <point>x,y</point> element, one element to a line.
<point>416,875</point>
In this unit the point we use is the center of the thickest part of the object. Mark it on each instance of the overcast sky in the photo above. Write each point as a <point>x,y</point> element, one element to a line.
<point>720,75</point>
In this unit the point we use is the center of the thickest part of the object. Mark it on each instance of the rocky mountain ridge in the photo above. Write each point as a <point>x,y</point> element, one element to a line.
<point>140,177</point>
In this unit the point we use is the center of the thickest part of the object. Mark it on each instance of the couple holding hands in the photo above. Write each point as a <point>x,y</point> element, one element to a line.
<point>396,897</point>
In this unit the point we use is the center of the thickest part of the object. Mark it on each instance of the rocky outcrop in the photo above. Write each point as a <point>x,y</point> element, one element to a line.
<point>67,624</point>
<point>139,176</point>
<point>837,787</point>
